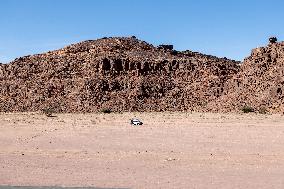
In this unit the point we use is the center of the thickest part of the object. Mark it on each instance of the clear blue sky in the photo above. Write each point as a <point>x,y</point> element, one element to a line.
<point>229,28</point>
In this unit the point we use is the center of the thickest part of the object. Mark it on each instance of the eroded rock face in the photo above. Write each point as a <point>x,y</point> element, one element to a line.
<point>259,83</point>
<point>123,74</point>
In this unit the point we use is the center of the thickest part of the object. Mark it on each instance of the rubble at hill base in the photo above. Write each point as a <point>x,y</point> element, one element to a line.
<point>126,74</point>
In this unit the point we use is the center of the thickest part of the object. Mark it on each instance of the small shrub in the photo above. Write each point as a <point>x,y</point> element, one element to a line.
<point>48,112</point>
<point>263,110</point>
<point>247,109</point>
<point>106,111</point>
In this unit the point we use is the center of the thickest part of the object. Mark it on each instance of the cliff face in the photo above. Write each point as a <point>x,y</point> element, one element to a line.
<point>259,84</point>
<point>118,73</point>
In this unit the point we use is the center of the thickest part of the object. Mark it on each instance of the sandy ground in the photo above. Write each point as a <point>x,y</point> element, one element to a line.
<point>171,150</point>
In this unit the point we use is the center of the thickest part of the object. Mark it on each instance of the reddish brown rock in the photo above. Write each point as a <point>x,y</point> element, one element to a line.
<point>259,84</point>
<point>121,74</point>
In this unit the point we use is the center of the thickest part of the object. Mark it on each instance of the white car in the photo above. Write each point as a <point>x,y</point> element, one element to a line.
<point>136,122</point>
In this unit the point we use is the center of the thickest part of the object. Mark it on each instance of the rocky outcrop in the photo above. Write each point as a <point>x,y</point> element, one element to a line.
<point>166,47</point>
<point>122,74</point>
<point>126,74</point>
<point>259,84</point>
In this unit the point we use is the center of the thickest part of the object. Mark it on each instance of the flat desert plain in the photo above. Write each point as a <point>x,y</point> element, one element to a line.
<point>171,150</point>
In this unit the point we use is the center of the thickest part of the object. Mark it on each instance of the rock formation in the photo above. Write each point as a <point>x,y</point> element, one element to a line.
<point>259,83</point>
<point>272,40</point>
<point>121,74</point>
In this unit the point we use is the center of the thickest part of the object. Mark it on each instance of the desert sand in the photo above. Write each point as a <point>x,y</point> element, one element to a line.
<point>171,150</point>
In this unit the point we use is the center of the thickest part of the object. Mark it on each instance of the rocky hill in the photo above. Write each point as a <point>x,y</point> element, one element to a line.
<point>121,74</point>
<point>258,84</point>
